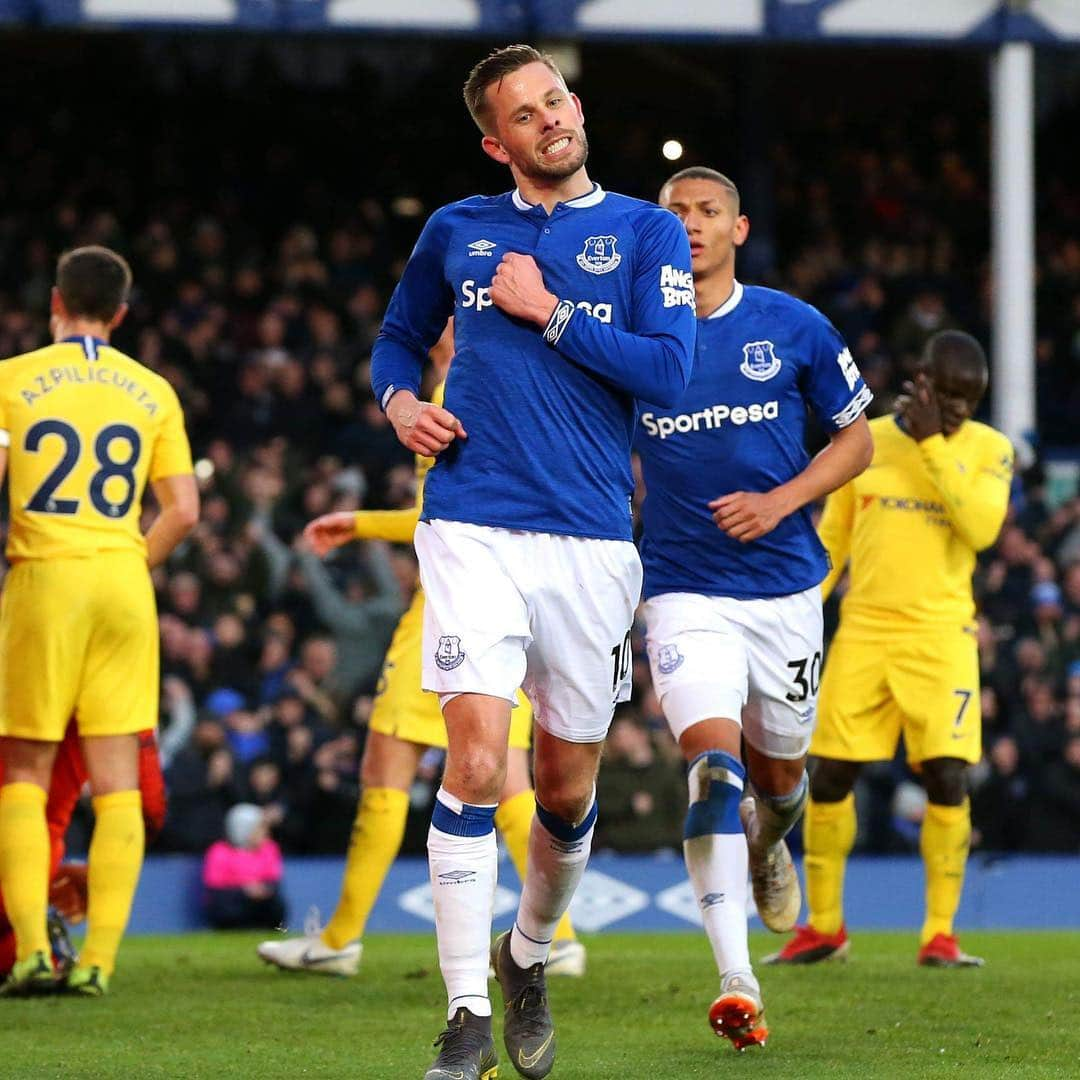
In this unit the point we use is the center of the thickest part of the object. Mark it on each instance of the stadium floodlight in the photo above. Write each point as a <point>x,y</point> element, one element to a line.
<point>672,149</point>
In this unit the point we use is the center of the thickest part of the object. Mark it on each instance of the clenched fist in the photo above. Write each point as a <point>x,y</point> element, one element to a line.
<point>422,427</point>
<point>748,515</point>
<point>518,289</point>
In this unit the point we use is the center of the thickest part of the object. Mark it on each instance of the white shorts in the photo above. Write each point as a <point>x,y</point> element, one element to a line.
<point>548,613</point>
<point>757,662</point>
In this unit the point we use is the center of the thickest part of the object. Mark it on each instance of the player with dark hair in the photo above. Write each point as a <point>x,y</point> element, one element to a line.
<point>569,304</point>
<point>732,574</point>
<point>905,659</point>
<point>83,429</point>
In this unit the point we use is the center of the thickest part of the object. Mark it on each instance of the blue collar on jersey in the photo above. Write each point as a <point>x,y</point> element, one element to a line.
<point>730,304</point>
<point>89,344</point>
<point>591,198</point>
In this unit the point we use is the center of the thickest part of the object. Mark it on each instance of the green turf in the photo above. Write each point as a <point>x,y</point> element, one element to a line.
<point>203,1006</point>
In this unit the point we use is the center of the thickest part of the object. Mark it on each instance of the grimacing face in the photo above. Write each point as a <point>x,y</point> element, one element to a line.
<point>538,125</point>
<point>712,221</point>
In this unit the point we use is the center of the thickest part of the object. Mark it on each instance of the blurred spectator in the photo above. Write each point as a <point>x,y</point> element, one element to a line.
<point>259,289</point>
<point>1056,816</point>
<point>201,787</point>
<point>1000,802</point>
<point>641,794</point>
<point>242,874</point>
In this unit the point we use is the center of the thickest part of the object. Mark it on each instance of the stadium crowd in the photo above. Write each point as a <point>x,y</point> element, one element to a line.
<point>259,291</point>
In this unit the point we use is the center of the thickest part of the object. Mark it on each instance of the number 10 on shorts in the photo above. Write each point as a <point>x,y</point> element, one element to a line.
<point>621,657</point>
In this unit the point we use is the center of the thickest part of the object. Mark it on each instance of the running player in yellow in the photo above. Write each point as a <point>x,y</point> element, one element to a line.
<point>83,428</point>
<point>904,659</point>
<point>405,722</point>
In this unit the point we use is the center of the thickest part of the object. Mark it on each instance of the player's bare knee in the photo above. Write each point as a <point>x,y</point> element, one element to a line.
<point>567,802</point>
<point>476,773</point>
<point>112,762</point>
<point>713,734</point>
<point>945,780</point>
<point>775,776</point>
<point>27,761</point>
<point>388,762</point>
<point>832,780</point>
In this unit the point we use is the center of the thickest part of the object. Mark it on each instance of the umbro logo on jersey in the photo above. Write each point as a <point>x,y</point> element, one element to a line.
<point>760,361</point>
<point>481,247</point>
<point>457,877</point>
<point>599,256</point>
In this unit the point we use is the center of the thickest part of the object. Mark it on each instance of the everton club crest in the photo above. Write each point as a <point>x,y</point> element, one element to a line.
<point>670,659</point>
<point>760,361</point>
<point>449,654</point>
<point>599,256</point>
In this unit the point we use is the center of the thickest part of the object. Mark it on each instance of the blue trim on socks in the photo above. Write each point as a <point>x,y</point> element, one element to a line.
<point>563,830</point>
<point>472,821</point>
<point>718,812</point>
<point>783,804</point>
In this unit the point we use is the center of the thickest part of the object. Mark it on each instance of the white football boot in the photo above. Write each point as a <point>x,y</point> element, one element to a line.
<point>308,952</point>
<point>567,957</point>
<point>772,875</point>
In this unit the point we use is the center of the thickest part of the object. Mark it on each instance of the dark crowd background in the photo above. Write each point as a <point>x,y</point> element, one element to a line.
<point>267,195</point>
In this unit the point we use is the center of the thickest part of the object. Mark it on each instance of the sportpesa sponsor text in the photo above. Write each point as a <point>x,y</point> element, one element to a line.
<point>479,297</point>
<point>713,417</point>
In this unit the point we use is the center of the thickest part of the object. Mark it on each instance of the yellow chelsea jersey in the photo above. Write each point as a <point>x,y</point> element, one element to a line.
<point>85,428</point>
<point>912,523</point>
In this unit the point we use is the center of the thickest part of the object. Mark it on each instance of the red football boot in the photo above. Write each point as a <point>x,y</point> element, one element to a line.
<point>809,947</point>
<point>943,950</point>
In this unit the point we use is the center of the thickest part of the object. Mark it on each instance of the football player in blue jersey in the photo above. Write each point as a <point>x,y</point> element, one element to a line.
<point>732,574</point>
<point>570,303</point>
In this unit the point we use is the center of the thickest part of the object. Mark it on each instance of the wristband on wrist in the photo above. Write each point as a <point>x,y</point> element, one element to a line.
<point>560,319</point>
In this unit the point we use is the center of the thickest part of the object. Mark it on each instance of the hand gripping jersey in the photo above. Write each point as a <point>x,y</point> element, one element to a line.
<point>762,360</point>
<point>549,412</point>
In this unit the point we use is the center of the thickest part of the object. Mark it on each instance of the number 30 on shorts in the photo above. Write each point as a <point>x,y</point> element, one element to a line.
<point>807,677</point>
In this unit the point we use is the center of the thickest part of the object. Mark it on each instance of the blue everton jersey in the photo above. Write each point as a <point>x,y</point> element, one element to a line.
<point>763,359</point>
<point>549,411</point>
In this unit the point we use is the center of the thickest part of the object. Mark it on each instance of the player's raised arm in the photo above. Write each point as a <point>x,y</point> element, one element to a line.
<point>943,395</point>
<point>331,531</point>
<point>976,501</point>
<point>654,361</point>
<point>975,494</point>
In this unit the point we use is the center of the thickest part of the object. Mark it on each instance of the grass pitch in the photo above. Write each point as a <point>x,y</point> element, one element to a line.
<point>202,1005</point>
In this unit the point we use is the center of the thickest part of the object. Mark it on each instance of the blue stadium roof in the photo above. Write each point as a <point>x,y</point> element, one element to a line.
<point>972,22</point>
